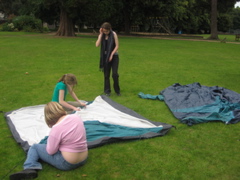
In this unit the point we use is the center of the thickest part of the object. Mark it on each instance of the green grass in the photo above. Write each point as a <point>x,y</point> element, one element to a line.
<point>229,38</point>
<point>203,151</point>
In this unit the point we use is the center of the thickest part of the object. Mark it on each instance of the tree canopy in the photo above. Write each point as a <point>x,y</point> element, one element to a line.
<point>166,16</point>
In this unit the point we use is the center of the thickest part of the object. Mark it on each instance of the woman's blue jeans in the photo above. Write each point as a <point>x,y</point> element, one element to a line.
<point>38,151</point>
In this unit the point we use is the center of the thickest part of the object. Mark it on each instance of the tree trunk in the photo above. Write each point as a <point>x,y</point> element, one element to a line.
<point>66,25</point>
<point>126,21</point>
<point>214,29</point>
<point>126,16</point>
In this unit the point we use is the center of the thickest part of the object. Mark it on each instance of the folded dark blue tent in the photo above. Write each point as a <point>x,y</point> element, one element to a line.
<point>195,103</point>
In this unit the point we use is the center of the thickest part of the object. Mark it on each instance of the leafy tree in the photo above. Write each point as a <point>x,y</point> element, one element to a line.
<point>191,16</point>
<point>235,14</point>
<point>218,6</point>
<point>95,12</point>
<point>68,10</point>
<point>224,22</point>
<point>145,12</point>
<point>10,6</point>
<point>65,11</point>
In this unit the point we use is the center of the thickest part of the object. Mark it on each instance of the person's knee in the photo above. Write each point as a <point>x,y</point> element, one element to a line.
<point>106,77</point>
<point>32,147</point>
<point>115,75</point>
<point>38,146</point>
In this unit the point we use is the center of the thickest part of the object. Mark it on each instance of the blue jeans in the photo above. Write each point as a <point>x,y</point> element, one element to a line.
<point>38,151</point>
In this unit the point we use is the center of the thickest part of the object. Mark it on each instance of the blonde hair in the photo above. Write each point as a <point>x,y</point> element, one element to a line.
<point>69,79</point>
<point>53,111</point>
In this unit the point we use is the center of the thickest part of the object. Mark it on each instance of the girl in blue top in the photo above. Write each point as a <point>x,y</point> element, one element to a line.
<point>66,84</point>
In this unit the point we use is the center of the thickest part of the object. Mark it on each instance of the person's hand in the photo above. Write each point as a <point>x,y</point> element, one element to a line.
<point>83,104</point>
<point>76,109</point>
<point>101,31</point>
<point>110,58</point>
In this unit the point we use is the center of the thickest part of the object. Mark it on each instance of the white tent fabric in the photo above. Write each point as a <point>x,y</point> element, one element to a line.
<point>28,125</point>
<point>101,111</point>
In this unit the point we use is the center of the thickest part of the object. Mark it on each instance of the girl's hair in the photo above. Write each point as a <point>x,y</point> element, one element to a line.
<point>69,79</point>
<point>106,26</point>
<point>53,111</point>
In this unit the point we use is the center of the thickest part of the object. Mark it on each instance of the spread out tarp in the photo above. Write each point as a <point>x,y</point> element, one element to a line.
<point>195,103</point>
<point>105,121</point>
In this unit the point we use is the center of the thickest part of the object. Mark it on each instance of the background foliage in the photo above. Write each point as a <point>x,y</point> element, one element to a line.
<point>188,16</point>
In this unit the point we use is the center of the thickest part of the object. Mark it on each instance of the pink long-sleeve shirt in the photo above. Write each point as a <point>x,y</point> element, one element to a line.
<point>68,135</point>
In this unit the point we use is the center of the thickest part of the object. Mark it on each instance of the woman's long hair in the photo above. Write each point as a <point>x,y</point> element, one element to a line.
<point>53,111</point>
<point>69,79</point>
<point>106,26</point>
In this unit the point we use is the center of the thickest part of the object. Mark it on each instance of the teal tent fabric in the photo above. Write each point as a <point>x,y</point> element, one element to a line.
<point>149,96</point>
<point>217,111</point>
<point>96,130</point>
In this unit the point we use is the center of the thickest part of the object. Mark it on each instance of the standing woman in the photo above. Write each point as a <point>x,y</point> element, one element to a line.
<point>64,85</point>
<point>66,147</point>
<point>109,58</point>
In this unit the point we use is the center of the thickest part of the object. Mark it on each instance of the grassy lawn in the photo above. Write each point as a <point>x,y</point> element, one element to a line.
<point>204,151</point>
<point>198,37</point>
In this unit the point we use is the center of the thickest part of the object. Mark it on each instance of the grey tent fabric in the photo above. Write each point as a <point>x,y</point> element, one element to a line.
<point>195,103</point>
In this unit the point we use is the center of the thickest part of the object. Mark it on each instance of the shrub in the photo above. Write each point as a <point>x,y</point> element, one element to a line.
<point>8,26</point>
<point>27,23</point>
<point>45,29</point>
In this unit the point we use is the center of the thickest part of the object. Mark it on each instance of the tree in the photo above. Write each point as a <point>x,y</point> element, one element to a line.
<point>65,10</point>
<point>223,6</point>
<point>191,16</point>
<point>95,12</point>
<point>44,9</point>
<point>143,12</point>
<point>68,13</point>
<point>10,6</point>
<point>235,14</point>
<point>214,30</point>
<point>224,22</point>
<point>66,24</point>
